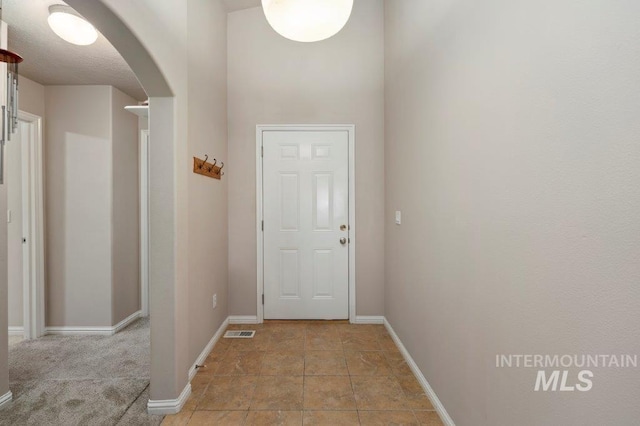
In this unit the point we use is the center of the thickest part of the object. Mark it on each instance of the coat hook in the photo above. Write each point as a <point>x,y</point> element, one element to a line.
<point>203,167</point>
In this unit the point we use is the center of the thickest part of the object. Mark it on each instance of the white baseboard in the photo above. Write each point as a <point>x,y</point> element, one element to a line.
<point>207,349</point>
<point>173,406</point>
<point>96,331</point>
<point>253,319</point>
<point>243,319</point>
<point>371,319</point>
<point>125,322</point>
<point>16,331</point>
<point>444,416</point>
<point>169,406</point>
<point>6,399</point>
<point>78,331</point>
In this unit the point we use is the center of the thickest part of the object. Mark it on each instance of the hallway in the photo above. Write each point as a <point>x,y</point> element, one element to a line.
<point>306,372</point>
<point>74,380</point>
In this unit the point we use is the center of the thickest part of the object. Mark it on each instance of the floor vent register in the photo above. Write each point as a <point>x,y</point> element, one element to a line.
<point>239,334</point>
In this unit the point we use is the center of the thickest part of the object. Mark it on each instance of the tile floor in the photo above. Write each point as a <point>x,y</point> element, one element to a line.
<point>307,373</point>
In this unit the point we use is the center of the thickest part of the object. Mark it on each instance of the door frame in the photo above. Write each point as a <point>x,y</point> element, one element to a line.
<point>351,131</point>
<point>144,222</point>
<point>33,228</point>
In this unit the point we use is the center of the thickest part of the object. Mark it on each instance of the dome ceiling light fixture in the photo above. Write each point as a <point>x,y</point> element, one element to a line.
<point>70,26</point>
<point>307,20</point>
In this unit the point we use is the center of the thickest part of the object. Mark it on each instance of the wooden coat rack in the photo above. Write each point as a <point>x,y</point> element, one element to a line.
<point>202,167</point>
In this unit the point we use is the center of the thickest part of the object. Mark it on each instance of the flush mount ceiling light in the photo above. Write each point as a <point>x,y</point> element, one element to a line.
<point>70,26</point>
<point>307,20</point>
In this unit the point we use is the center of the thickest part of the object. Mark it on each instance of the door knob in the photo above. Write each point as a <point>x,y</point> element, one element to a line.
<point>343,241</point>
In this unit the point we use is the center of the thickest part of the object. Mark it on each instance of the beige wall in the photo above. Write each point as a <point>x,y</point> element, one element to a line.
<point>92,217</point>
<point>207,197</point>
<point>125,183</point>
<point>273,80</point>
<point>78,205</point>
<point>31,97</point>
<point>31,101</point>
<point>512,150</point>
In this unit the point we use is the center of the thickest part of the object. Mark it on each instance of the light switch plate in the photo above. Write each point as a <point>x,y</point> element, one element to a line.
<point>398,217</point>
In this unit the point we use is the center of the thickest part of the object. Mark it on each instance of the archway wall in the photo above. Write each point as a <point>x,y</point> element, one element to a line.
<point>178,51</point>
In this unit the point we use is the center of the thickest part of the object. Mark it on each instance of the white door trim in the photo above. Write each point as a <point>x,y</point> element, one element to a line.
<point>144,223</point>
<point>33,228</point>
<point>351,130</point>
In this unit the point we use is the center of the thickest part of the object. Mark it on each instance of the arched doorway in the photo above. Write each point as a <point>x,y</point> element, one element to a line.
<point>167,331</point>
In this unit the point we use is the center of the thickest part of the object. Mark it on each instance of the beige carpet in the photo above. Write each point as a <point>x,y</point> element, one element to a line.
<point>14,340</point>
<point>88,380</point>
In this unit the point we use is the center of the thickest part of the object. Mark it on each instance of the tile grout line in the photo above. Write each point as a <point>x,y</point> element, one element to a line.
<point>304,370</point>
<point>353,390</point>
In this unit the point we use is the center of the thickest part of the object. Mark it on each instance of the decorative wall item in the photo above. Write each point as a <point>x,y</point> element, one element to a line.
<point>212,170</point>
<point>10,108</point>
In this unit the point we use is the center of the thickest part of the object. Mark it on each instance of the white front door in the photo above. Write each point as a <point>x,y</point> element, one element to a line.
<point>306,212</point>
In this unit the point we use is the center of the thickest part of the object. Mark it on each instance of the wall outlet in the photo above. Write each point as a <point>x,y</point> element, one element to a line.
<point>215,301</point>
<point>398,217</point>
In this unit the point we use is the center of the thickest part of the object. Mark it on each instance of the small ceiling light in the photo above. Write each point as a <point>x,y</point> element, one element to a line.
<point>307,20</point>
<point>70,26</point>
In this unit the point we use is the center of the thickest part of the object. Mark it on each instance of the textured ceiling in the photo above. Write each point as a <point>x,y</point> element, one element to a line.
<point>49,60</point>
<point>233,5</point>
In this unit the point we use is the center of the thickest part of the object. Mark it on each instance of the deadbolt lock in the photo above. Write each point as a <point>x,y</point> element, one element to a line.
<point>344,227</point>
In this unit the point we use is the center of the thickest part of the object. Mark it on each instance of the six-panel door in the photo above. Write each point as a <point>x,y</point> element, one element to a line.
<point>305,205</point>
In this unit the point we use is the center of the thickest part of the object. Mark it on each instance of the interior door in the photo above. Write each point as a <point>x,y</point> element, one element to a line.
<point>306,229</point>
<point>16,200</point>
